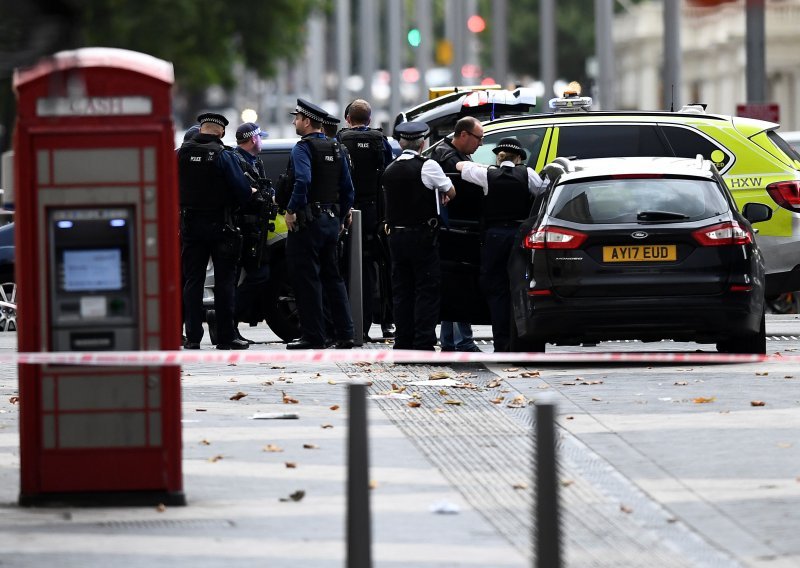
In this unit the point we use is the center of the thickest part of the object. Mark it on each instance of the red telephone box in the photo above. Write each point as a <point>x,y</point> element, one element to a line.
<point>97,270</point>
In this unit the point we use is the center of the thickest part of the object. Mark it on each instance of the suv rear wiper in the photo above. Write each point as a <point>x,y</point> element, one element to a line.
<point>659,216</point>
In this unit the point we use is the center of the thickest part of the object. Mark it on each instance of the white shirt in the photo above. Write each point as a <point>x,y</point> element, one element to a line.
<point>478,174</point>
<point>433,177</point>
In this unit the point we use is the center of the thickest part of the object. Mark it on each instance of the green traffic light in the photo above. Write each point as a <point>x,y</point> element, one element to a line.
<point>414,37</point>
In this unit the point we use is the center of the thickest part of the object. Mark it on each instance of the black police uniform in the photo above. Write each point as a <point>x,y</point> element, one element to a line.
<point>508,201</point>
<point>367,153</point>
<point>469,204</point>
<point>253,219</point>
<point>412,222</point>
<point>321,197</point>
<point>211,185</point>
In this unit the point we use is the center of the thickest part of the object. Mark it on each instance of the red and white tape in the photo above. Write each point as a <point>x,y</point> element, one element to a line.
<point>168,358</point>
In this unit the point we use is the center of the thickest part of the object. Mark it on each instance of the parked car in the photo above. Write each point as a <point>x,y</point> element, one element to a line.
<point>8,286</point>
<point>638,248</point>
<point>756,163</point>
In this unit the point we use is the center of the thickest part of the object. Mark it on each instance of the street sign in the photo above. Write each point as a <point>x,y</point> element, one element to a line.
<point>770,112</point>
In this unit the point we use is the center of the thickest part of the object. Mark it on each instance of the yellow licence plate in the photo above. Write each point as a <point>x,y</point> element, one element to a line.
<point>641,253</point>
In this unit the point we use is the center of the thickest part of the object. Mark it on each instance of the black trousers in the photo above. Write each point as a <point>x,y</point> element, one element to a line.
<point>494,282</point>
<point>314,271</point>
<point>416,288</point>
<point>200,240</point>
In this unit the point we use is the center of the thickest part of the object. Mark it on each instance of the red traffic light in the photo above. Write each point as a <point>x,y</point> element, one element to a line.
<point>476,24</point>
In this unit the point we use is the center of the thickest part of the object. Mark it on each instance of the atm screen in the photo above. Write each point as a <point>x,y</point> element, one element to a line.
<point>92,270</point>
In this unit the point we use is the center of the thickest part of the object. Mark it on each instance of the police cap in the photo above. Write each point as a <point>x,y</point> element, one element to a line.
<point>330,120</point>
<point>310,110</point>
<point>512,145</point>
<point>411,130</point>
<point>212,117</point>
<point>248,130</point>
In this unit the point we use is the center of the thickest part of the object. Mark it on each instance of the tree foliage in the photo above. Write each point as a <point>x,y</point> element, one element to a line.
<point>202,38</point>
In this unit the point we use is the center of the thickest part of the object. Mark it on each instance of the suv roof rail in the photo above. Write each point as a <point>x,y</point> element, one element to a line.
<point>559,166</point>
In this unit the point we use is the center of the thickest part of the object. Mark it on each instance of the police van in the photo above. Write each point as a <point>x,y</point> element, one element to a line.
<point>756,163</point>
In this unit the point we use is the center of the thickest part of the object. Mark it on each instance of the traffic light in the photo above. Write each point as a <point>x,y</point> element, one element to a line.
<point>414,37</point>
<point>476,24</point>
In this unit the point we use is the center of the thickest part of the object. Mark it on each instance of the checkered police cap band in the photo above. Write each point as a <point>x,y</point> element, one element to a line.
<point>514,147</point>
<point>305,112</point>
<point>213,119</point>
<point>248,134</point>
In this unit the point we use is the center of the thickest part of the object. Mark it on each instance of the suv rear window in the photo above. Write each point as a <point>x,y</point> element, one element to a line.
<point>606,200</point>
<point>610,141</point>
<point>687,143</point>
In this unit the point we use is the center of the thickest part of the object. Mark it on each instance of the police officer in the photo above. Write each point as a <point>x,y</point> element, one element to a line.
<point>253,218</point>
<point>467,137</point>
<point>211,186</point>
<point>370,153</point>
<point>509,188</point>
<point>416,188</point>
<point>319,207</point>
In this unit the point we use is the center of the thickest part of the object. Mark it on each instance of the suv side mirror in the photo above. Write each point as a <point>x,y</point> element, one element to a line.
<point>756,212</point>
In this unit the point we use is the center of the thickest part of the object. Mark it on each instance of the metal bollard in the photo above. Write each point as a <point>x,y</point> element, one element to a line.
<point>356,286</point>
<point>546,526</point>
<point>359,531</point>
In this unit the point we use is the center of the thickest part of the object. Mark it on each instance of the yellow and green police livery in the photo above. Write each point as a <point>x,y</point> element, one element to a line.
<point>757,165</point>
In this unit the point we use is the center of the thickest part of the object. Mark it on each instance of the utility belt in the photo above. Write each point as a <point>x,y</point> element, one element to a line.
<point>315,210</point>
<point>428,229</point>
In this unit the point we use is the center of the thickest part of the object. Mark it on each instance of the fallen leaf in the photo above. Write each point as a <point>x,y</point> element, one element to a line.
<point>232,380</point>
<point>335,407</point>
<point>520,485</point>
<point>326,426</point>
<point>567,482</point>
<point>443,392</point>
<point>296,496</point>
<point>529,374</point>
<point>704,400</point>
<point>205,442</point>
<point>493,384</point>
<point>310,447</point>
<point>373,484</point>
<point>439,375</point>
<point>518,401</point>
<point>288,399</point>
<point>757,403</point>
<point>597,382</point>
<point>290,465</point>
<point>764,374</point>
<point>272,448</point>
<point>785,445</point>
<point>438,410</point>
<point>511,370</point>
<point>416,395</point>
<point>453,402</point>
<point>239,395</point>
<point>268,383</point>
<point>788,376</point>
<point>570,418</point>
<point>569,384</point>
<point>414,404</point>
<point>596,399</point>
<point>200,410</point>
<point>498,400</point>
<point>277,367</point>
<point>14,400</point>
<point>625,509</point>
<point>214,459</point>
<point>331,382</point>
<point>161,508</point>
<point>681,383</point>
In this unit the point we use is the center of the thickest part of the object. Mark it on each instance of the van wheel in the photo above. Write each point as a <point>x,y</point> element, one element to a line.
<point>280,306</point>
<point>752,344</point>
<point>518,344</point>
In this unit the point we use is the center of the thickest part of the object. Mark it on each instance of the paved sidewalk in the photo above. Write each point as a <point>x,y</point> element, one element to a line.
<point>644,475</point>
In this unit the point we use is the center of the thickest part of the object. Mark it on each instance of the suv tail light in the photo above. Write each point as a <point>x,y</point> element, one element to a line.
<point>549,237</point>
<point>722,234</point>
<point>786,194</point>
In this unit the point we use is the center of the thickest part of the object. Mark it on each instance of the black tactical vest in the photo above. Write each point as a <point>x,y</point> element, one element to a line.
<point>468,204</point>
<point>201,183</point>
<point>326,169</point>
<point>366,153</point>
<point>408,201</point>
<point>508,198</point>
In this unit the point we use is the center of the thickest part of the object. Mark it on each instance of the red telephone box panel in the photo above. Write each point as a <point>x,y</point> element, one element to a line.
<point>97,270</point>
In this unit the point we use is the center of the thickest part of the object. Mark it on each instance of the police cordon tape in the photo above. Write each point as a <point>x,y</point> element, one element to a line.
<point>171,358</point>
